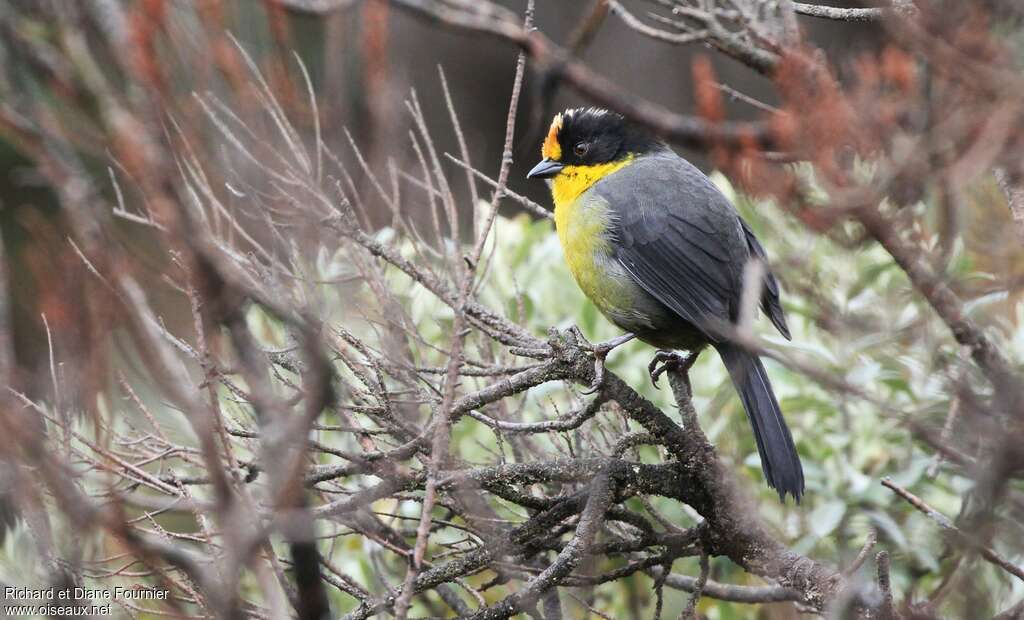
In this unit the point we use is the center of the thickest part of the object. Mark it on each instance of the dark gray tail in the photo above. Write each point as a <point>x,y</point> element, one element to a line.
<point>779,460</point>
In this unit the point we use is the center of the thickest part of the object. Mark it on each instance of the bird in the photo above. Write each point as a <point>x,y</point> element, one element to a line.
<point>662,253</point>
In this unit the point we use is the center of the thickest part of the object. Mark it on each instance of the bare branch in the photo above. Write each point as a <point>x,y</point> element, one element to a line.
<point>986,552</point>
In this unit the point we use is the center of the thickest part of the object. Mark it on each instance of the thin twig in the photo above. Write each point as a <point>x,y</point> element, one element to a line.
<point>885,611</point>
<point>690,612</point>
<point>943,521</point>
<point>862,556</point>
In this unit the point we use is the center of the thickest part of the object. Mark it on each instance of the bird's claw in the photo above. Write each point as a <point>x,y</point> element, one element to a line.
<point>581,340</point>
<point>667,359</point>
<point>600,351</point>
<point>670,360</point>
<point>598,381</point>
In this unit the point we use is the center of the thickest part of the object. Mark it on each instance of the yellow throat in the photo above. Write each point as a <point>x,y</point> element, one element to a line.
<point>572,181</point>
<point>581,229</point>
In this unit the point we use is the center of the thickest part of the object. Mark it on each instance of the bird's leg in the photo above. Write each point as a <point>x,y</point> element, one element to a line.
<point>670,360</point>
<point>601,351</point>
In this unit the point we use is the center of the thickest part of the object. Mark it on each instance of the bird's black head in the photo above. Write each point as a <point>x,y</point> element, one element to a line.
<point>590,137</point>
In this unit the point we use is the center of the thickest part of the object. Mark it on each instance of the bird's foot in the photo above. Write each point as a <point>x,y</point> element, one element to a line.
<point>601,351</point>
<point>670,360</point>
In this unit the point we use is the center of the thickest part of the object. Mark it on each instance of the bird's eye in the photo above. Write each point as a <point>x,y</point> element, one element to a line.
<point>581,149</point>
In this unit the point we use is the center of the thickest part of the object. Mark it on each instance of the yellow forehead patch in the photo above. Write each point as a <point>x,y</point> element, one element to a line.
<point>552,149</point>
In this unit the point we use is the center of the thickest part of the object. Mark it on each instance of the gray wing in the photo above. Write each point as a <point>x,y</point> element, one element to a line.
<point>681,240</point>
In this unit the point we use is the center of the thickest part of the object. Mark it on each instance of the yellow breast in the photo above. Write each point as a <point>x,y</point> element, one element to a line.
<point>581,225</point>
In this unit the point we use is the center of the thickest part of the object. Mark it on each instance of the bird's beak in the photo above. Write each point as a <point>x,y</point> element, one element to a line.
<point>546,169</point>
